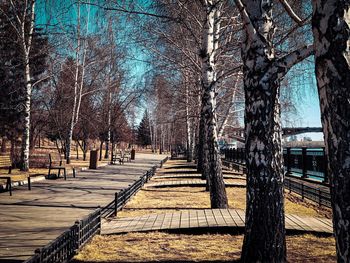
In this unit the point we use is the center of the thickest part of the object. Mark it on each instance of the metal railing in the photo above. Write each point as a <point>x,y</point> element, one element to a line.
<point>308,159</point>
<point>319,195</point>
<point>66,245</point>
<point>306,163</point>
<point>121,198</point>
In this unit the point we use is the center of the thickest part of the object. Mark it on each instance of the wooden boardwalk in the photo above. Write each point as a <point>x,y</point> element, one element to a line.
<point>31,219</point>
<point>192,183</point>
<point>193,176</point>
<point>206,218</point>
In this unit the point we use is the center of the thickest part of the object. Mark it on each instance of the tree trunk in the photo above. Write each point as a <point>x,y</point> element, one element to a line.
<point>331,29</point>
<point>84,149</point>
<point>3,144</point>
<point>264,239</point>
<point>218,197</point>
<point>77,149</point>
<point>188,127</point>
<point>108,139</point>
<point>26,118</point>
<point>101,148</point>
<point>200,146</point>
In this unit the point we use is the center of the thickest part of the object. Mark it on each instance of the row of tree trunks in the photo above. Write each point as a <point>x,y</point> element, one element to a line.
<point>331,30</point>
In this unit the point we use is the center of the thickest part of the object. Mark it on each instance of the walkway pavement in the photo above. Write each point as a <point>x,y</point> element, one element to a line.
<point>31,219</point>
<point>206,218</point>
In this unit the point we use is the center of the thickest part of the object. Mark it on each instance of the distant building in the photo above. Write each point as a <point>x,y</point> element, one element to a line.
<point>307,139</point>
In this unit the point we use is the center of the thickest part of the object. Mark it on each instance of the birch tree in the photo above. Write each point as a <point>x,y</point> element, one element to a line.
<point>80,58</point>
<point>23,25</point>
<point>263,69</point>
<point>331,30</point>
<point>212,165</point>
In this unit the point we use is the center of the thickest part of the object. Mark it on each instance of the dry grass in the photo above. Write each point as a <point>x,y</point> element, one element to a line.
<point>160,246</point>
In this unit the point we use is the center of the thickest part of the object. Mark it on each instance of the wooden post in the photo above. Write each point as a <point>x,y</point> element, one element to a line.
<point>303,162</point>
<point>288,160</point>
<point>29,185</point>
<point>77,235</point>
<point>9,185</point>
<point>115,203</point>
<point>325,163</point>
<point>290,186</point>
<point>302,191</point>
<point>319,196</point>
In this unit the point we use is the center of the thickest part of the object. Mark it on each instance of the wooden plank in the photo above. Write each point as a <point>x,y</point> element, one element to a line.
<point>227,217</point>
<point>185,219</point>
<point>167,221</point>
<point>202,220</point>
<point>210,217</point>
<point>218,217</point>
<point>159,222</point>
<point>149,223</point>
<point>140,224</point>
<point>237,219</point>
<point>193,219</point>
<point>175,220</point>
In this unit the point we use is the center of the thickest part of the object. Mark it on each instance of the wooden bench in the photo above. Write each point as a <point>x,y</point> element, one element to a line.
<point>117,157</point>
<point>127,156</point>
<point>5,163</point>
<point>56,163</point>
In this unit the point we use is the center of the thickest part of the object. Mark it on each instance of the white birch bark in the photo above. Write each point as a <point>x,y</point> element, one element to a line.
<point>26,45</point>
<point>212,161</point>
<point>264,239</point>
<point>78,86</point>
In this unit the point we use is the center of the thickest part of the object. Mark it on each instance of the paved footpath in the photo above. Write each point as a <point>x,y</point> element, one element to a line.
<point>31,219</point>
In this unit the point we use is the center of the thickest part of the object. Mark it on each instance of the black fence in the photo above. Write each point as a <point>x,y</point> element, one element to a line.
<point>320,195</point>
<point>306,163</point>
<point>65,246</point>
<point>121,198</point>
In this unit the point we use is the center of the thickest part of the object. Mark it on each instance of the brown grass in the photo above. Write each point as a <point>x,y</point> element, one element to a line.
<point>160,246</point>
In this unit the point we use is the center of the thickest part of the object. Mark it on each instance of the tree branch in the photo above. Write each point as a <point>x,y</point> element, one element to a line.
<point>284,64</point>
<point>291,12</point>
<point>248,25</point>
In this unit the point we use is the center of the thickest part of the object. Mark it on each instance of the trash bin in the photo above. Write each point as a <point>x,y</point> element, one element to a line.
<point>132,157</point>
<point>93,159</point>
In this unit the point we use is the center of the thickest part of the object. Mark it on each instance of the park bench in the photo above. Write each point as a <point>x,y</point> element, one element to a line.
<point>5,163</point>
<point>56,163</point>
<point>117,157</point>
<point>127,156</point>
<point>121,157</point>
